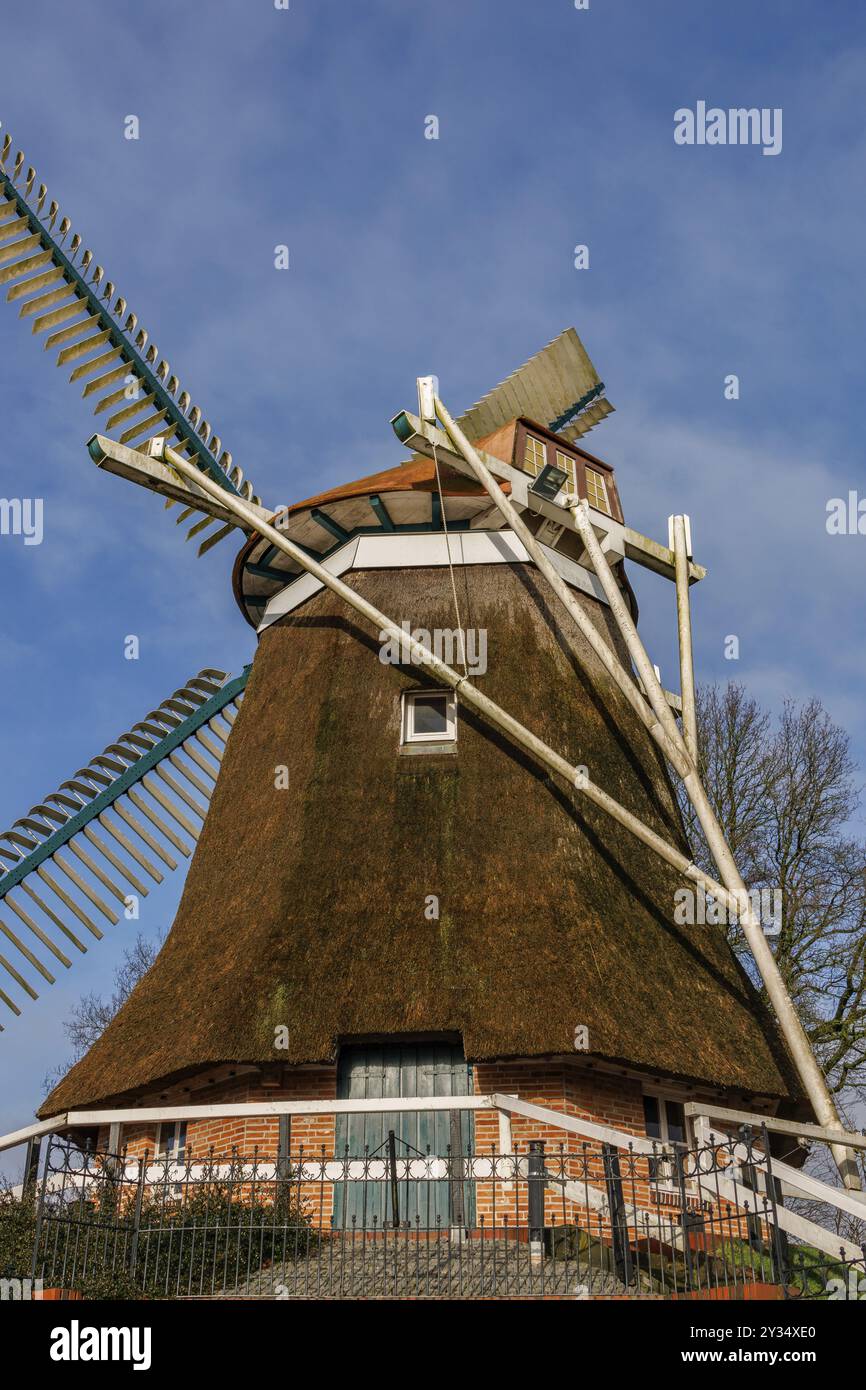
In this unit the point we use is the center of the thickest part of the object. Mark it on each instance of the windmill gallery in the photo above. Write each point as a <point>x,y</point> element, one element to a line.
<point>291,1010</point>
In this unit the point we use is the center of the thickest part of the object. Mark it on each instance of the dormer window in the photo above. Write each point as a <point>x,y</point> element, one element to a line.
<point>587,477</point>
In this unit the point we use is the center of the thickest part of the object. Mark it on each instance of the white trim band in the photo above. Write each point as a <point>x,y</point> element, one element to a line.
<point>421,550</point>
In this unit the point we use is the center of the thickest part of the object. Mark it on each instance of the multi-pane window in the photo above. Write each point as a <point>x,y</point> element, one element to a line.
<point>664,1121</point>
<point>568,467</point>
<point>596,491</point>
<point>581,479</point>
<point>535,455</point>
<point>171,1141</point>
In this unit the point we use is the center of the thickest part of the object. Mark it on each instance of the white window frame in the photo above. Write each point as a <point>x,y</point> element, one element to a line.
<point>407,723</point>
<point>165,1128</point>
<point>664,1142</point>
<point>606,510</point>
<point>527,465</point>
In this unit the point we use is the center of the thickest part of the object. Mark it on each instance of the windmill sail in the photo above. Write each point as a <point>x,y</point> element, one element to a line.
<point>157,772</point>
<point>60,288</point>
<point>558,387</point>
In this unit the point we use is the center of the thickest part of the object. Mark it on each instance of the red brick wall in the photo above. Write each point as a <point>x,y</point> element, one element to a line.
<point>615,1101</point>
<point>246,1134</point>
<point>605,1099</point>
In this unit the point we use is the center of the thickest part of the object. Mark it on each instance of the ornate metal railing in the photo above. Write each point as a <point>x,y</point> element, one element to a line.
<point>579,1222</point>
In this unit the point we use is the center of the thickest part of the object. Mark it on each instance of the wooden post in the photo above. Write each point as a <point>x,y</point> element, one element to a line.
<point>458,1208</point>
<point>535,1201</point>
<point>31,1162</point>
<point>679,535</point>
<point>811,1075</point>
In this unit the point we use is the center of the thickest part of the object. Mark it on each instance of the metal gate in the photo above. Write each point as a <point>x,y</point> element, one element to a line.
<point>393,1139</point>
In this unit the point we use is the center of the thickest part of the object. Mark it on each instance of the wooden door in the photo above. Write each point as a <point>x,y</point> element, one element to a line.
<point>408,1069</point>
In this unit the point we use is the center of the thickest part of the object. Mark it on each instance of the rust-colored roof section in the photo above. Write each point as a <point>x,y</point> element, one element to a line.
<point>417,476</point>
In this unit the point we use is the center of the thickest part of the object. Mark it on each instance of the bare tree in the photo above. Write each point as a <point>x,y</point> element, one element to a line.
<point>785,794</point>
<point>92,1014</point>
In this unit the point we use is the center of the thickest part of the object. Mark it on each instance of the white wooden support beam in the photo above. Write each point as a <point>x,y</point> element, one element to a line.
<point>849,1200</point>
<point>795,1128</point>
<point>573,1124</point>
<point>659,558</point>
<point>152,473</point>
<point>256,1109</point>
<point>789,1221</point>
<point>28,1132</point>
<point>680,536</point>
<point>168,1114</point>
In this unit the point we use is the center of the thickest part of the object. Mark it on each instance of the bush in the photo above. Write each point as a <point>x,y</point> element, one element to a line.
<point>210,1238</point>
<point>213,1235</point>
<point>103,1278</point>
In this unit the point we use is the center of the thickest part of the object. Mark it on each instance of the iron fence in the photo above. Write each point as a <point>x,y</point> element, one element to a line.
<point>579,1222</point>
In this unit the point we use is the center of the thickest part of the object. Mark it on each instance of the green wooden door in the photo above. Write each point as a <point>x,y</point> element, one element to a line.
<point>376,1072</point>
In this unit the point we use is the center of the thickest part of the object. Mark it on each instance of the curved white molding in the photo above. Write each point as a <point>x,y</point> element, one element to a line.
<point>422,550</point>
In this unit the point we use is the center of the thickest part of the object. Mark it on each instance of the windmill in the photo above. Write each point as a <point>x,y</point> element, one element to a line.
<point>463,870</point>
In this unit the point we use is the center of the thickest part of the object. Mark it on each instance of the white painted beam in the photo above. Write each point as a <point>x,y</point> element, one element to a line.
<point>256,1109</point>
<point>573,1124</point>
<point>796,1128</point>
<point>34,1131</point>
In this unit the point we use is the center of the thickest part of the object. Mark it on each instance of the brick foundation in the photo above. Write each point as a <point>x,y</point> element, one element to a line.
<point>585,1092</point>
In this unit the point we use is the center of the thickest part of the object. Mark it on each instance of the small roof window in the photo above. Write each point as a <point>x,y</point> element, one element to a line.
<point>429,716</point>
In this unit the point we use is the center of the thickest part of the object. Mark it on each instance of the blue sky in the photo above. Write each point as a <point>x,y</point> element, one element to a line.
<point>306,127</point>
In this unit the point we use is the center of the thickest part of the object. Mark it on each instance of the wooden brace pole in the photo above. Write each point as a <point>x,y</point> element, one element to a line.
<point>808,1070</point>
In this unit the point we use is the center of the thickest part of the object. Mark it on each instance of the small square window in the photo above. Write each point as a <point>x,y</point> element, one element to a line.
<point>429,716</point>
<point>665,1122</point>
<point>171,1141</point>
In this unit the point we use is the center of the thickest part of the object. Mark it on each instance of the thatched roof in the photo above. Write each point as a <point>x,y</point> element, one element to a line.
<point>305,907</point>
